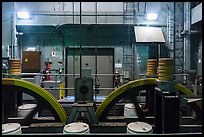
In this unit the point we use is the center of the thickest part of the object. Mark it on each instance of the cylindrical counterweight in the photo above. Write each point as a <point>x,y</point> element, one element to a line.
<point>14,66</point>
<point>151,67</point>
<point>166,69</point>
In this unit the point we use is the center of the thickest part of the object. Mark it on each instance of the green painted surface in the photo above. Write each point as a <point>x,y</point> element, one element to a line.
<point>75,34</point>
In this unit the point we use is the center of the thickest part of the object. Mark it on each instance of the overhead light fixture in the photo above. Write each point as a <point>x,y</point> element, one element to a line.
<point>31,49</point>
<point>23,15</point>
<point>151,16</point>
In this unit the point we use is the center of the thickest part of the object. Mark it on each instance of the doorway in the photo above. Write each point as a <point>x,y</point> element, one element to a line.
<point>101,63</point>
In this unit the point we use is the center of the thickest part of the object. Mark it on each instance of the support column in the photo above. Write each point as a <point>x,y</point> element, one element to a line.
<point>166,112</point>
<point>187,36</point>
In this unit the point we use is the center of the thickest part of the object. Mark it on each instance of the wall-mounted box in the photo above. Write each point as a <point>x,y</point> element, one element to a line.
<point>50,86</point>
<point>31,61</point>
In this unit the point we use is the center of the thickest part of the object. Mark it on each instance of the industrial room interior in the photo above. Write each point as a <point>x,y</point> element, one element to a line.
<point>101,68</point>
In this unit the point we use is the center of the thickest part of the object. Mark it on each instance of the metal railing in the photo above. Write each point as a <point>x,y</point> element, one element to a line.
<point>56,75</point>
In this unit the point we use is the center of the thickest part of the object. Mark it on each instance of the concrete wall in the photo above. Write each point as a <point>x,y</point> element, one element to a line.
<point>7,28</point>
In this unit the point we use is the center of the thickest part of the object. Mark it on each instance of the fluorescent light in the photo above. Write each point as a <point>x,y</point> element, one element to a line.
<point>23,15</point>
<point>151,16</point>
<point>31,49</point>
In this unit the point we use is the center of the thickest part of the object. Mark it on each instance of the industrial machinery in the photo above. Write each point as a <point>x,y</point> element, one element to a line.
<point>41,96</point>
<point>83,101</point>
<point>168,107</point>
<point>5,62</point>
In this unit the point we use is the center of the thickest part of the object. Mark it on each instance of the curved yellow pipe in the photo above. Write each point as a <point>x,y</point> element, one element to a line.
<point>141,82</point>
<point>39,91</point>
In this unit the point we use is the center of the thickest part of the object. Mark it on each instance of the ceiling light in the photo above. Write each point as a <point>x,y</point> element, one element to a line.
<point>151,16</point>
<point>23,15</point>
<point>31,49</point>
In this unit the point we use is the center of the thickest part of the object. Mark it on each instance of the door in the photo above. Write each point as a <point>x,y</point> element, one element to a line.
<point>104,66</point>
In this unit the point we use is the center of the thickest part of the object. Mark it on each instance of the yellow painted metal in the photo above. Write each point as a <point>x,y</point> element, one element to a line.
<point>187,91</point>
<point>165,69</point>
<point>151,67</point>
<point>39,91</point>
<point>14,66</point>
<point>121,90</point>
<point>141,82</point>
<point>61,91</point>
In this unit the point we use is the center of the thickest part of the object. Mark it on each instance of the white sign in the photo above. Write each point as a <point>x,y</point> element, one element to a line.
<point>53,53</point>
<point>118,65</point>
<point>148,34</point>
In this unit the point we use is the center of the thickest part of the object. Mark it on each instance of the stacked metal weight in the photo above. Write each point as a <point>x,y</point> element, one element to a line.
<point>151,67</point>
<point>14,66</point>
<point>165,69</point>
